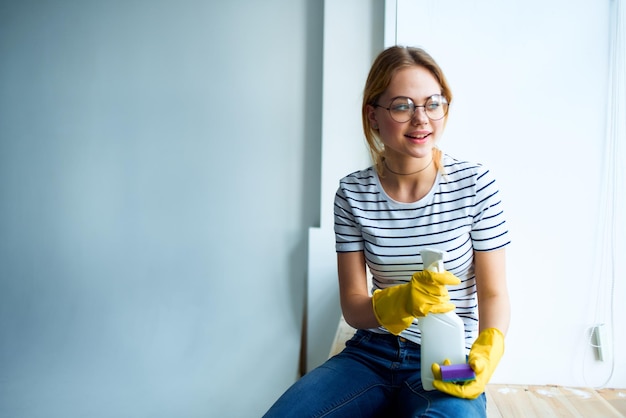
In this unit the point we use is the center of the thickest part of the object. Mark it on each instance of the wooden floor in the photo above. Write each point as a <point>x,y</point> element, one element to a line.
<point>520,401</point>
<point>512,401</point>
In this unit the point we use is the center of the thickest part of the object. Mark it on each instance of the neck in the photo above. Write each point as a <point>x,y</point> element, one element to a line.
<point>400,173</point>
<point>408,186</point>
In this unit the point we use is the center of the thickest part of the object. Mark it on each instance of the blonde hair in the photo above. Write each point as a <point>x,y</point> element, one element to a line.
<point>383,69</point>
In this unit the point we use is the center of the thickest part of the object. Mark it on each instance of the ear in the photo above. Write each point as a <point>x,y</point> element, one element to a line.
<point>371,115</point>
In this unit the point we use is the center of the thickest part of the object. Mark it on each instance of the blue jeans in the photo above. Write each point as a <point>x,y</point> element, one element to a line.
<point>376,375</point>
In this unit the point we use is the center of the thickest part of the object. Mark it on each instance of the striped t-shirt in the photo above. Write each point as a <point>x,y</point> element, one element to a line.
<point>462,213</point>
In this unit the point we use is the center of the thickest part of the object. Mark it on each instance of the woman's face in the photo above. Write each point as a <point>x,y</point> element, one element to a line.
<point>416,137</point>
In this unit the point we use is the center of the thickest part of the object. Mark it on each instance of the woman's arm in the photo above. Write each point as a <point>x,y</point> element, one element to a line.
<point>494,308</point>
<point>356,302</point>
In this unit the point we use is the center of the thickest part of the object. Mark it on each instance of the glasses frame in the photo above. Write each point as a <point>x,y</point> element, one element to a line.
<point>415,106</point>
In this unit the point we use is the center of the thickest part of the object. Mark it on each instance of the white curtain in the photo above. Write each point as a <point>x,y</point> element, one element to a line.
<point>616,126</point>
<point>612,223</point>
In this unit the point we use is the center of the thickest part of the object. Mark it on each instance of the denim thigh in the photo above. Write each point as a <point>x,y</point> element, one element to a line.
<point>414,401</point>
<point>349,384</point>
<point>376,375</point>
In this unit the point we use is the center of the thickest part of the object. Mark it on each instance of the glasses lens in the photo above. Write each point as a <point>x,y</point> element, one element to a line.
<point>401,109</point>
<point>436,107</point>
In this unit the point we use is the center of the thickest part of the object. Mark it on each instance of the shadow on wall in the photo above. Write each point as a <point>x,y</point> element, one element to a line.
<point>311,169</point>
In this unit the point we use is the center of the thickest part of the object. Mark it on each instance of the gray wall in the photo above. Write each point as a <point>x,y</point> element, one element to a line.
<point>159,170</point>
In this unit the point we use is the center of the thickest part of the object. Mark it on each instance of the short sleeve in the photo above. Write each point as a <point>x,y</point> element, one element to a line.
<point>348,235</point>
<point>489,228</point>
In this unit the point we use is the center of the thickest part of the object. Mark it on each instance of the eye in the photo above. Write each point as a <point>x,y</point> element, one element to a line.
<point>436,99</point>
<point>401,105</point>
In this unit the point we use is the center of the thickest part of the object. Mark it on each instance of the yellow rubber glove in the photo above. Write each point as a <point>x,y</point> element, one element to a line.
<point>396,306</point>
<point>484,357</point>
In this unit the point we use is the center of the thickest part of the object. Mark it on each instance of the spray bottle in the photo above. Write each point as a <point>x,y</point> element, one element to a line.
<point>443,335</point>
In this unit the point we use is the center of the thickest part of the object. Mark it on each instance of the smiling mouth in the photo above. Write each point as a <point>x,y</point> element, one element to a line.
<point>421,136</point>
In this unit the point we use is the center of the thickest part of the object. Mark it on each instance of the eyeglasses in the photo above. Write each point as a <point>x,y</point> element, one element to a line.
<point>402,109</point>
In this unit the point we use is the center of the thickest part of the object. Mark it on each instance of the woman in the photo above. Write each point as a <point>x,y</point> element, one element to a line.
<point>413,197</point>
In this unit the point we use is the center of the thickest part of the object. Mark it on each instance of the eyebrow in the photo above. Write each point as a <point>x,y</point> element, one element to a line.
<point>417,101</point>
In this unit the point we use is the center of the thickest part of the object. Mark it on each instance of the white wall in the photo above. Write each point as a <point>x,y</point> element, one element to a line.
<point>353,35</point>
<point>159,171</point>
<point>530,85</point>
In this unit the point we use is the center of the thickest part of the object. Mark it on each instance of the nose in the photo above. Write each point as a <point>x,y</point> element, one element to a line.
<point>419,116</point>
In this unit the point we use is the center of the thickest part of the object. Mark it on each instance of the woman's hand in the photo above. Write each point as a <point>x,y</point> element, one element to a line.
<point>483,358</point>
<point>396,306</point>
